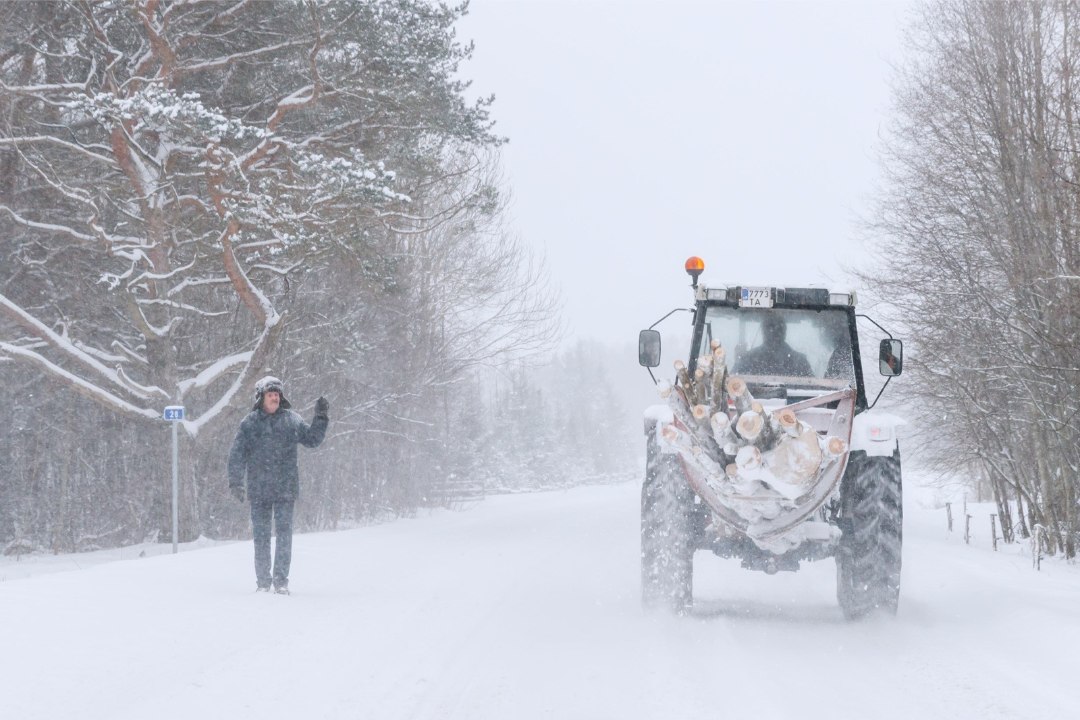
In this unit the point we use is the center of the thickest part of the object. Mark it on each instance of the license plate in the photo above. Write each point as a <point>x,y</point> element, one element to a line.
<point>756,297</point>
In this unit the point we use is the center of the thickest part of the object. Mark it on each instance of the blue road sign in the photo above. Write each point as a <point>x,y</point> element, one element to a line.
<point>174,412</point>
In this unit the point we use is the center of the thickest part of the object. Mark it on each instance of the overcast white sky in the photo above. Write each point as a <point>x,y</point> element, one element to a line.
<point>645,132</point>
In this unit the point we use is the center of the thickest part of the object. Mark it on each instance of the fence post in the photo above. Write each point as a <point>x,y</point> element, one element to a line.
<point>993,529</point>
<point>948,514</point>
<point>1036,547</point>
<point>967,530</point>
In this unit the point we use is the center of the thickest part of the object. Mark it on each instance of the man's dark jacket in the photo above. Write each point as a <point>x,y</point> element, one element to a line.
<point>265,447</point>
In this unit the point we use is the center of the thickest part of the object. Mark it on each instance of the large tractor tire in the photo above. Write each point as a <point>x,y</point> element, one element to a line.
<point>667,554</point>
<point>868,561</point>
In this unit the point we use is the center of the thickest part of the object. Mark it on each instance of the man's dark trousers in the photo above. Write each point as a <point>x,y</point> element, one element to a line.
<point>282,513</point>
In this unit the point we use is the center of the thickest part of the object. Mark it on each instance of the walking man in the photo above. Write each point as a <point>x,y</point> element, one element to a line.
<point>265,451</point>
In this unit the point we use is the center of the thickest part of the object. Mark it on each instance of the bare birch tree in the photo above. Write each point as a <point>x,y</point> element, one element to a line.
<point>981,246</point>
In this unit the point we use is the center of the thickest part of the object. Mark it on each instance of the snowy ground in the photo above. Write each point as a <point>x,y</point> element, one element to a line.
<point>527,607</point>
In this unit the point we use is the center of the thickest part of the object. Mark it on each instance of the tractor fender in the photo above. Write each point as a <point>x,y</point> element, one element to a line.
<point>875,433</point>
<point>656,415</point>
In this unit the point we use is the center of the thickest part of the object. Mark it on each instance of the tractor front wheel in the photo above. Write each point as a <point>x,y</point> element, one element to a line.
<point>667,555</point>
<point>868,560</point>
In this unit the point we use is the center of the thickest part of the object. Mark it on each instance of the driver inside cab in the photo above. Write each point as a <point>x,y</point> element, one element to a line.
<point>773,356</point>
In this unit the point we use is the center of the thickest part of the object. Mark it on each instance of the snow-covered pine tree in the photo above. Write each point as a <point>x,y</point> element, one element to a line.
<point>173,177</point>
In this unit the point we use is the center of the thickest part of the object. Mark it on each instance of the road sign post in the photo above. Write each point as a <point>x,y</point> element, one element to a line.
<point>175,414</point>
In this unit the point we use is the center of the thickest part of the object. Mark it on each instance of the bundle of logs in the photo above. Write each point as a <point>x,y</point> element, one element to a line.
<point>758,462</point>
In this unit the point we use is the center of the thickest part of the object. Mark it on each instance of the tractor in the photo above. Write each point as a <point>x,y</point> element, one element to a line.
<point>766,449</point>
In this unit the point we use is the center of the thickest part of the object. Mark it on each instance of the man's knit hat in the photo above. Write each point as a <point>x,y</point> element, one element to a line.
<point>267,384</point>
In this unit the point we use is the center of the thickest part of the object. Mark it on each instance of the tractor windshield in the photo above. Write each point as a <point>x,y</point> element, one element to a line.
<point>783,343</point>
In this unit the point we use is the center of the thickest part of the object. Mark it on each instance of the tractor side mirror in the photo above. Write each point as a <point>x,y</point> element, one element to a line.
<point>891,358</point>
<point>649,348</point>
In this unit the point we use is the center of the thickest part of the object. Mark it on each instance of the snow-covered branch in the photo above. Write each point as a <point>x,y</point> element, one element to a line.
<point>85,152</point>
<point>213,372</point>
<point>88,389</point>
<point>48,227</point>
<point>197,282</point>
<point>40,330</point>
<point>219,62</point>
<point>37,90</point>
<point>182,306</point>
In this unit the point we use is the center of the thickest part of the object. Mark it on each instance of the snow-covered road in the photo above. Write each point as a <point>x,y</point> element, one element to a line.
<point>527,607</point>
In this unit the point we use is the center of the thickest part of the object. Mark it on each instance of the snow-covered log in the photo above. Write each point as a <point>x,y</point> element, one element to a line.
<point>760,469</point>
<point>739,394</point>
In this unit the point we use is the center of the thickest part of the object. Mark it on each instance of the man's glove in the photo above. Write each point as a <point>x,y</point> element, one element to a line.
<point>322,407</point>
<point>237,492</point>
